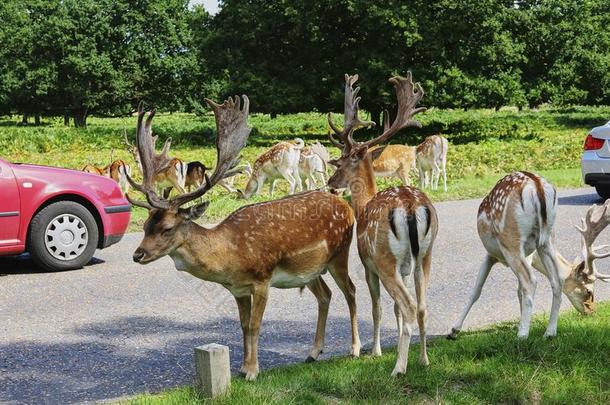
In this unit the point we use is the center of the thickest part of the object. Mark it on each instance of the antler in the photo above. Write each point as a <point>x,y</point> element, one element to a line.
<point>408,96</point>
<point>351,121</point>
<point>595,221</point>
<point>232,134</point>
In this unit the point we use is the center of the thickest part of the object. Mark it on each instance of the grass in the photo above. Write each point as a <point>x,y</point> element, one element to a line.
<point>486,366</point>
<point>485,145</point>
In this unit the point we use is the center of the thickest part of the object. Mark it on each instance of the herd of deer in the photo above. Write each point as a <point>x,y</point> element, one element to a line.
<point>291,242</point>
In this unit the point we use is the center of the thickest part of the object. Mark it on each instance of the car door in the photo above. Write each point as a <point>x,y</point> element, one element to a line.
<point>9,206</point>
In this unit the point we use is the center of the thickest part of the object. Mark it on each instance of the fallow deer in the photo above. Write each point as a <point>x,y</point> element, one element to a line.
<point>286,243</point>
<point>394,161</point>
<point>93,169</point>
<point>168,172</point>
<point>396,228</point>
<point>432,161</point>
<point>116,170</point>
<point>515,223</point>
<point>281,161</point>
<point>313,165</point>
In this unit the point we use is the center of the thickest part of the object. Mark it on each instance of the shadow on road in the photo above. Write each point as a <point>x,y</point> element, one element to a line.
<point>23,264</point>
<point>130,355</point>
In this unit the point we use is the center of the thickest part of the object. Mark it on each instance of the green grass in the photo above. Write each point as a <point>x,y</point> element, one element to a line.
<point>486,366</point>
<point>485,145</point>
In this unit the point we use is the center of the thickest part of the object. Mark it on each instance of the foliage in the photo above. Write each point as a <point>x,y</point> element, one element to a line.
<point>487,366</point>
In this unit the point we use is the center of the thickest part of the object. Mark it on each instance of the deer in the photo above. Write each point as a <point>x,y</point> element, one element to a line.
<point>396,228</point>
<point>432,161</point>
<point>116,170</point>
<point>515,223</point>
<point>286,243</point>
<point>313,165</point>
<point>280,161</point>
<point>169,172</point>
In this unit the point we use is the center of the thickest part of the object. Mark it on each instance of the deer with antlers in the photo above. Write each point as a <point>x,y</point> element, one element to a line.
<point>168,172</point>
<point>286,243</point>
<point>432,161</point>
<point>515,224</point>
<point>281,161</point>
<point>396,228</point>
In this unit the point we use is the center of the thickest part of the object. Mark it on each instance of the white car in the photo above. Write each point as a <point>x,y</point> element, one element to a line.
<point>596,160</point>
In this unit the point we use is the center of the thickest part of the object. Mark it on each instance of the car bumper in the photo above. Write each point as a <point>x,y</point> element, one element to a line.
<point>595,170</point>
<point>116,221</point>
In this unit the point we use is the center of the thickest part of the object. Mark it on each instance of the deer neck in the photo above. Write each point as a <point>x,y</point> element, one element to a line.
<point>363,186</point>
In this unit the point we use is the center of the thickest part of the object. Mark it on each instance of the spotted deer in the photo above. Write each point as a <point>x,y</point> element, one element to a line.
<point>515,223</point>
<point>116,170</point>
<point>313,165</point>
<point>168,172</point>
<point>281,161</point>
<point>93,169</point>
<point>396,228</point>
<point>432,161</point>
<point>394,161</point>
<point>286,243</point>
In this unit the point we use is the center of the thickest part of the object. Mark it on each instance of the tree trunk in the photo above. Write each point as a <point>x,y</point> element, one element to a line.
<point>273,115</point>
<point>24,119</point>
<point>66,119</point>
<point>37,119</point>
<point>80,117</point>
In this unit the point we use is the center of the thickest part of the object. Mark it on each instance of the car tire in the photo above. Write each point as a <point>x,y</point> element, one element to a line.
<point>63,236</point>
<point>603,191</point>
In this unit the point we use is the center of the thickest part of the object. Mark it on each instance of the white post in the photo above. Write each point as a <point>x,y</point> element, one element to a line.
<point>213,369</point>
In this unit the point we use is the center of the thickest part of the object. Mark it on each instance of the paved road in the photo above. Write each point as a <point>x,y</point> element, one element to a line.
<point>116,328</point>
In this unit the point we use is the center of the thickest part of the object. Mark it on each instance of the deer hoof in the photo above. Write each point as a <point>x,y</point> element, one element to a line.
<point>310,359</point>
<point>453,335</point>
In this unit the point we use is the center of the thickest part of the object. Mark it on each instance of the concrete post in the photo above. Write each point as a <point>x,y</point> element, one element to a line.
<point>213,369</point>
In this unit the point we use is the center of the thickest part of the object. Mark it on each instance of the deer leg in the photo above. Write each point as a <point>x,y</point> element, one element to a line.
<point>338,268</point>
<point>272,187</point>
<point>323,294</point>
<point>259,301</point>
<point>372,280</point>
<point>297,178</point>
<point>474,296</point>
<point>422,310</point>
<point>547,256</point>
<point>166,192</point>
<point>444,168</point>
<point>259,184</point>
<point>403,175</point>
<point>311,182</point>
<point>527,284</point>
<point>395,287</point>
<point>244,305</point>
<point>286,173</point>
<point>436,174</point>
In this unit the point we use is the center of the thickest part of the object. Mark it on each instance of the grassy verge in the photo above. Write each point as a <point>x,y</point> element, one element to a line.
<point>487,366</point>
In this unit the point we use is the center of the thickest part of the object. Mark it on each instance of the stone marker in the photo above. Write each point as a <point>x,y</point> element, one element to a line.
<point>213,369</point>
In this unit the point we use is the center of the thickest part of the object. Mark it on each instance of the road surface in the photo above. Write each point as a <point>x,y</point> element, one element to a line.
<point>117,328</point>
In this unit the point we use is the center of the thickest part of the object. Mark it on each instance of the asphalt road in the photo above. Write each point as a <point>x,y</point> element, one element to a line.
<point>117,328</point>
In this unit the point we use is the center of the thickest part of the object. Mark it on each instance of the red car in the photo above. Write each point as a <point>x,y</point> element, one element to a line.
<point>59,216</point>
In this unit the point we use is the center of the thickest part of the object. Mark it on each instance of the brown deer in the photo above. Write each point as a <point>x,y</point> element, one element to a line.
<point>432,161</point>
<point>117,170</point>
<point>396,228</point>
<point>93,169</point>
<point>280,161</point>
<point>168,172</point>
<point>394,161</point>
<point>286,243</point>
<point>515,224</point>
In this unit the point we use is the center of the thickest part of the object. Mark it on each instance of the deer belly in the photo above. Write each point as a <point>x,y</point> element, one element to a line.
<point>284,279</point>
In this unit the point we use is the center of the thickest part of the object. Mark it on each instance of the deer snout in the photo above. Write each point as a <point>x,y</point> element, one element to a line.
<point>138,255</point>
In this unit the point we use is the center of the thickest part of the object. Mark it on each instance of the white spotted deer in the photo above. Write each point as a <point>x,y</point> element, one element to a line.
<point>281,161</point>
<point>515,223</point>
<point>286,243</point>
<point>396,228</point>
<point>313,165</point>
<point>432,161</point>
<point>168,172</point>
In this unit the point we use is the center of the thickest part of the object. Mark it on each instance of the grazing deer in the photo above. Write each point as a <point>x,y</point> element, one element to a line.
<point>116,171</point>
<point>515,223</point>
<point>432,161</point>
<point>286,243</point>
<point>313,165</point>
<point>396,228</point>
<point>394,161</point>
<point>281,161</point>
<point>168,172</point>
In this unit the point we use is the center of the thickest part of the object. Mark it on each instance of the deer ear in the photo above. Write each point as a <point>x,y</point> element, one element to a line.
<point>194,212</point>
<point>361,152</point>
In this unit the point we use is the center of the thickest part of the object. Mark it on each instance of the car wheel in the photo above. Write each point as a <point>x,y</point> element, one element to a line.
<point>63,236</point>
<point>603,191</point>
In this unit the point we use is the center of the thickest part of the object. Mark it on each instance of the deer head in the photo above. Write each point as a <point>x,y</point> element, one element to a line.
<point>168,221</point>
<point>354,157</point>
<point>579,286</point>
